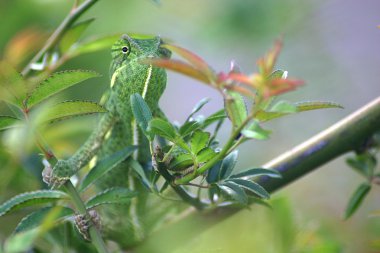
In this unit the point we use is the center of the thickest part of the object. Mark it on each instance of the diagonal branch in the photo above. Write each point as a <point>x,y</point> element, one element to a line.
<point>347,135</point>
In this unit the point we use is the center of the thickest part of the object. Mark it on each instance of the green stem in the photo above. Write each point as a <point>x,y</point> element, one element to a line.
<point>96,238</point>
<point>347,135</point>
<point>53,40</point>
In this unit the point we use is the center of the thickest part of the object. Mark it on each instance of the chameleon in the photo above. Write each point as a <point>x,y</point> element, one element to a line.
<point>117,128</point>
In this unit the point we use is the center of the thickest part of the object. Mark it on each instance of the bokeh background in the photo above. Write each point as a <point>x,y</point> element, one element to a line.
<point>332,45</point>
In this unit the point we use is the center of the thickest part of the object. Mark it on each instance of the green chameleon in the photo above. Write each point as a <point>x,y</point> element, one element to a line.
<point>117,129</point>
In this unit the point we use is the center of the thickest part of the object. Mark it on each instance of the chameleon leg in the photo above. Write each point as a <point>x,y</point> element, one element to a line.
<point>64,169</point>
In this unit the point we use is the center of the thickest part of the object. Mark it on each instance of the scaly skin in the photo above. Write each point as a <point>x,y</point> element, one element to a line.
<point>117,129</point>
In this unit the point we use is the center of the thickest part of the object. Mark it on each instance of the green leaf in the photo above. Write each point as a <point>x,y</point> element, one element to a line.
<point>198,107</point>
<point>315,105</point>
<point>94,44</point>
<point>69,109</point>
<point>188,128</point>
<point>21,242</point>
<point>276,74</point>
<point>254,131</point>
<point>356,199</point>
<point>12,85</point>
<point>235,108</point>
<point>73,34</point>
<point>35,219</point>
<point>251,186</point>
<point>234,191</point>
<point>364,164</point>
<point>142,113</point>
<point>30,199</point>
<point>116,195</point>
<point>256,172</point>
<point>213,173</point>
<point>7,122</point>
<point>139,170</point>
<point>181,162</point>
<point>228,165</point>
<point>283,106</point>
<point>205,155</point>
<point>56,83</point>
<point>105,165</point>
<point>198,141</point>
<point>221,114</point>
<point>163,128</point>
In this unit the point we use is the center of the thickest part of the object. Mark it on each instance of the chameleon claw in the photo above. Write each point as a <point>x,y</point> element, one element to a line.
<point>49,174</point>
<point>83,223</point>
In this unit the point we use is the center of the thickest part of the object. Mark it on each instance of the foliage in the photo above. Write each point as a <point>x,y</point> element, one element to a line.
<point>187,157</point>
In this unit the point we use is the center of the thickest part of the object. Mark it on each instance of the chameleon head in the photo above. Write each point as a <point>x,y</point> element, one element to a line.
<point>128,49</point>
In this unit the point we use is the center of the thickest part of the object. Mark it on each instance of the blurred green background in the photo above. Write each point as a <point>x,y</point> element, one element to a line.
<point>332,45</point>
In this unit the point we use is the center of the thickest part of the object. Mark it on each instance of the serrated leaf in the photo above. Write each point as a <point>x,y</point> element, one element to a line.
<point>181,162</point>
<point>234,191</point>
<point>7,122</point>
<point>31,199</point>
<point>94,44</point>
<point>105,165</point>
<point>205,155</point>
<point>73,34</point>
<point>188,128</point>
<point>198,141</point>
<point>56,83</point>
<point>251,186</point>
<point>163,128</point>
<point>235,108</point>
<point>69,109</point>
<point>256,172</point>
<point>198,107</point>
<point>283,106</point>
<point>255,131</point>
<point>116,195</point>
<point>35,219</point>
<point>228,165</point>
<point>315,105</point>
<point>12,86</point>
<point>356,199</point>
<point>142,113</point>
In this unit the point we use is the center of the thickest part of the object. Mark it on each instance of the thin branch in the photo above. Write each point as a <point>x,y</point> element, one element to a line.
<point>345,136</point>
<point>53,40</point>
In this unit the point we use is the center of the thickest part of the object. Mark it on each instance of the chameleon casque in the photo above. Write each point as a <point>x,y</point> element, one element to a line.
<point>117,129</point>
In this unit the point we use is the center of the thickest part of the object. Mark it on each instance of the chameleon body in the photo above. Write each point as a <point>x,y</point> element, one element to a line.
<point>117,129</point>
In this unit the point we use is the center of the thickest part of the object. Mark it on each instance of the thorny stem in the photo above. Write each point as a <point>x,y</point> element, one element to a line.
<point>53,40</point>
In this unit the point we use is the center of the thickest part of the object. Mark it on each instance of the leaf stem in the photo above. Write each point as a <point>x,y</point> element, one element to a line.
<point>53,40</point>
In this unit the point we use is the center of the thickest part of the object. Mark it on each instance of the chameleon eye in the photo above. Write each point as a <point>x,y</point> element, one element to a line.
<point>125,50</point>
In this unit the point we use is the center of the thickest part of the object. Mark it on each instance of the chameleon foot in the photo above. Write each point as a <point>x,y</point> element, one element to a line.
<point>57,176</point>
<point>83,224</point>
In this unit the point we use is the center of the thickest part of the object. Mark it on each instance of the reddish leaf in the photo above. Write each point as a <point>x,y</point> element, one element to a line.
<point>266,64</point>
<point>180,67</point>
<point>279,86</point>
<point>194,59</point>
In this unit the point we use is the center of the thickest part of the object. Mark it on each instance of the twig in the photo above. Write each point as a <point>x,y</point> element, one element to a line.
<point>346,135</point>
<point>53,40</point>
